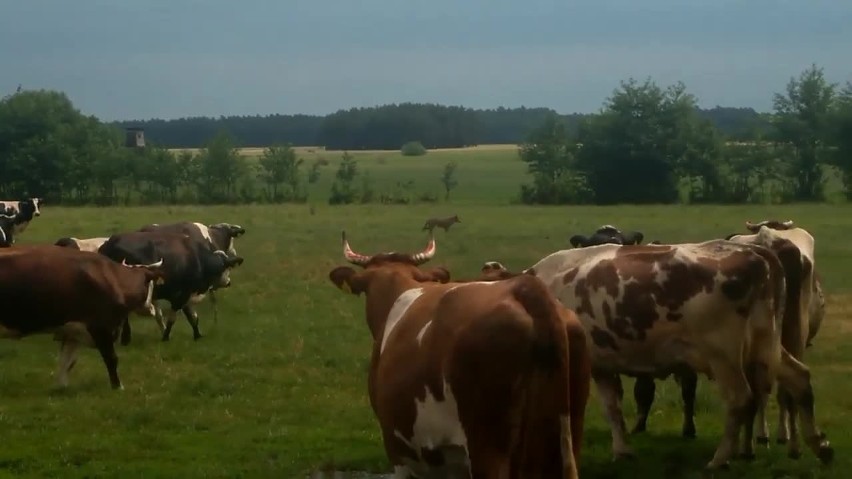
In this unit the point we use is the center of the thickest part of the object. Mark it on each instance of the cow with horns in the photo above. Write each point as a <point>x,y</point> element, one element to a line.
<point>607,234</point>
<point>468,380</point>
<point>714,307</point>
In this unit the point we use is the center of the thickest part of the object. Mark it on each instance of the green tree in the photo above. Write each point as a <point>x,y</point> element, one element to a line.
<point>343,189</point>
<point>801,120</point>
<point>643,142</point>
<point>549,155</point>
<point>279,166</point>
<point>841,137</point>
<point>448,178</point>
<point>220,168</point>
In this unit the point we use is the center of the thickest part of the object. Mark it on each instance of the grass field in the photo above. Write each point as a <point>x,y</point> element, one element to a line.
<point>278,387</point>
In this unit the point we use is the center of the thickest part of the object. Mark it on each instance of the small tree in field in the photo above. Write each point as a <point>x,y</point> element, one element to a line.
<point>343,190</point>
<point>448,178</point>
<point>413,148</point>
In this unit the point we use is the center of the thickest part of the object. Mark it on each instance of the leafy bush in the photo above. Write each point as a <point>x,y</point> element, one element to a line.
<point>413,148</point>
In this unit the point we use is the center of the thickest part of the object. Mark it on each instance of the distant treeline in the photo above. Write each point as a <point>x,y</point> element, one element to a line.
<point>388,127</point>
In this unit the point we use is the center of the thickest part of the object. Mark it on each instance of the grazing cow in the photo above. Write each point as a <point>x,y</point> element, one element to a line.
<point>644,388</point>
<point>23,211</point>
<point>81,297</point>
<point>444,223</point>
<point>606,234</point>
<point>714,307</point>
<point>795,249</point>
<point>191,270</point>
<point>220,236</point>
<point>470,380</point>
<point>7,230</point>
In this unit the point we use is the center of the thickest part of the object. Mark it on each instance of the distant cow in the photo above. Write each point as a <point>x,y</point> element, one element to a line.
<point>714,307</point>
<point>190,271</point>
<point>795,249</point>
<point>81,297</point>
<point>470,380</point>
<point>607,234</point>
<point>219,236</point>
<point>24,211</point>
<point>644,388</point>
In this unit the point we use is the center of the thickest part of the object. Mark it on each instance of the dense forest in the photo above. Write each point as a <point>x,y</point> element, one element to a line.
<point>647,144</point>
<point>388,127</point>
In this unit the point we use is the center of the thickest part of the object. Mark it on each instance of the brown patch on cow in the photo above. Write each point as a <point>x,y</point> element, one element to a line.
<point>684,281</point>
<point>637,311</point>
<point>603,339</point>
<point>570,275</point>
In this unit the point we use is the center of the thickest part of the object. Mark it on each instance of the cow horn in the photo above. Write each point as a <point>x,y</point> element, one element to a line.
<point>155,265</point>
<point>427,253</point>
<point>788,223</point>
<point>352,256</point>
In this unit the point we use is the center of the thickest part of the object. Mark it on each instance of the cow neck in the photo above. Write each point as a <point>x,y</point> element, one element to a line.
<point>381,296</point>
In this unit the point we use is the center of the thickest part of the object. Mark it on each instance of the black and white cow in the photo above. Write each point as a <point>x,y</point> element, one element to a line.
<point>191,270</point>
<point>24,211</point>
<point>218,237</point>
<point>82,244</point>
<point>607,234</point>
<point>644,389</point>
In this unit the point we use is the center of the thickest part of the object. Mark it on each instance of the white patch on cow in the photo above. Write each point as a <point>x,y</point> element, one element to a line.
<point>437,426</point>
<point>464,285</point>
<point>148,308</point>
<point>196,298</point>
<point>204,232</point>
<point>422,332</point>
<point>400,306</point>
<point>90,244</point>
<point>2,235</point>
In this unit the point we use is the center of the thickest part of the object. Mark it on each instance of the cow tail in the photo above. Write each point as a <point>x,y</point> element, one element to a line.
<point>547,448</point>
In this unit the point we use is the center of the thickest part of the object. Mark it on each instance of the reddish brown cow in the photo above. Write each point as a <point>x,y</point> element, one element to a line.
<point>80,296</point>
<point>470,380</point>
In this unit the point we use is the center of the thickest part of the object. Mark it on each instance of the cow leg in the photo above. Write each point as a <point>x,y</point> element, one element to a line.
<point>758,379</point>
<point>104,341</point>
<point>688,384</point>
<point>643,393</point>
<point>67,360</point>
<point>795,377</point>
<point>212,295</point>
<point>192,319</point>
<point>125,332</point>
<point>611,393</point>
<point>736,393</point>
<point>158,317</point>
<point>171,316</point>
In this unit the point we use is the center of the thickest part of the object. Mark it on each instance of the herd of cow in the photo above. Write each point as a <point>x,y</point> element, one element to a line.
<point>490,377</point>
<point>84,290</point>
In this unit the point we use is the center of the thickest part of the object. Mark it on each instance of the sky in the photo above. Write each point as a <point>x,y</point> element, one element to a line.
<point>122,60</point>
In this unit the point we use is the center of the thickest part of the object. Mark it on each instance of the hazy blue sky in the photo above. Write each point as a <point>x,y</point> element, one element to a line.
<point>119,59</point>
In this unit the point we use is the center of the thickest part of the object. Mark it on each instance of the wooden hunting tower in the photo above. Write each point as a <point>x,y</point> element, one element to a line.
<point>134,137</point>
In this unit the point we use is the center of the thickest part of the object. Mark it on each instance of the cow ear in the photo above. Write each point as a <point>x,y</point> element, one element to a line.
<point>237,231</point>
<point>439,274</point>
<point>348,280</point>
<point>233,262</point>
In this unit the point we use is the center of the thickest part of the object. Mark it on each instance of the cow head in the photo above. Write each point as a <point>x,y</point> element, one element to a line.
<point>382,271</point>
<point>771,224</point>
<point>223,235</point>
<point>6,230</point>
<point>495,271</point>
<point>29,208</point>
<point>607,234</point>
<point>217,266</point>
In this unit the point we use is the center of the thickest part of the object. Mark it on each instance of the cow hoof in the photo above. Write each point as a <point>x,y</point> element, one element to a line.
<point>197,337</point>
<point>762,440</point>
<point>717,467</point>
<point>689,434</point>
<point>826,454</point>
<point>165,338</point>
<point>118,387</point>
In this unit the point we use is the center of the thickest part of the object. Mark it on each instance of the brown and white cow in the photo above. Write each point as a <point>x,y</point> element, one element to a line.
<point>715,307</point>
<point>470,380</point>
<point>795,249</point>
<point>81,297</point>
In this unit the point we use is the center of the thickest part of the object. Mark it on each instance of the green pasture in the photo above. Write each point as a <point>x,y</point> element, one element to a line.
<point>278,387</point>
